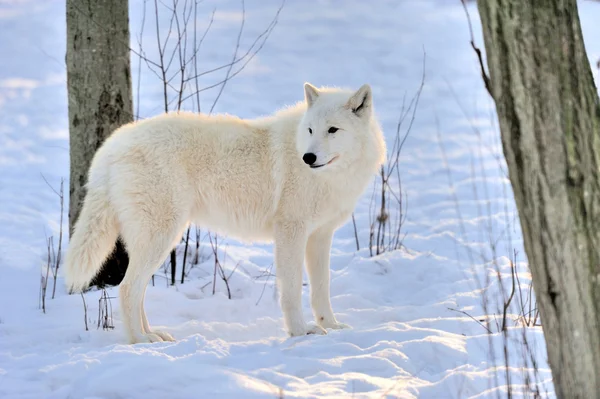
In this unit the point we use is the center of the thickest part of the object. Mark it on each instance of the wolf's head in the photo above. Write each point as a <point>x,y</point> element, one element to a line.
<point>337,128</point>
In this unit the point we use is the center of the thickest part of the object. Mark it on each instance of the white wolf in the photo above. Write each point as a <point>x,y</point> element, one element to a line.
<point>292,178</point>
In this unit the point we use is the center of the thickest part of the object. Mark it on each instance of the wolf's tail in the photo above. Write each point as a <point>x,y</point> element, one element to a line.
<point>93,238</point>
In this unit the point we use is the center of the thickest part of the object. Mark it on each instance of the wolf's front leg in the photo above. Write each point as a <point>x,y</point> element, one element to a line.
<point>290,243</point>
<point>318,251</point>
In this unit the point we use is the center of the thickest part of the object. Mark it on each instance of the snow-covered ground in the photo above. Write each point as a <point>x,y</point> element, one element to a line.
<point>405,342</point>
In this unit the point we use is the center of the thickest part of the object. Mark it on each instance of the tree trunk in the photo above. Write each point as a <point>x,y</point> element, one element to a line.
<point>100,98</point>
<point>549,116</point>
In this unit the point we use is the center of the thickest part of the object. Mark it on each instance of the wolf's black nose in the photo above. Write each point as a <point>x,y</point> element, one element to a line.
<point>309,158</point>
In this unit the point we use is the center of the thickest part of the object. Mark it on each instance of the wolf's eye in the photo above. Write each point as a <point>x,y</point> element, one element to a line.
<point>310,130</point>
<point>332,129</point>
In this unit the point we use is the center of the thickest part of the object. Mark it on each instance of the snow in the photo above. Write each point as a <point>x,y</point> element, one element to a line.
<point>405,342</point>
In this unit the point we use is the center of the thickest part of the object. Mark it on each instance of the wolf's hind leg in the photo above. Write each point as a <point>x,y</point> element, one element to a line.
<point>148,248</point>
<point>131,294</point>
<point>146,326</point>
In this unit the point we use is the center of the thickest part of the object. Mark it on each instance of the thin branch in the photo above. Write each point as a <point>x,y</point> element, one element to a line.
<point>139,78</point>
<point>84,312</point>
<point>266,32</point>
<point>471,317</point>
<point>49,185</point>
<point>264,35</point>
<point>161,57</point>
<point>507,302</point>
<point>237,47</point>
<point>197,49</point>
<point>413,105</point>
<point>268,274</point>
<point>60,234</point>
<point>486,79</point>
<point>187,241</point>
<point>355,232</point>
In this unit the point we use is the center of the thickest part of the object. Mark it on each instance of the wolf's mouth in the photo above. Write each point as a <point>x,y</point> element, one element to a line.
<point>323,164</point>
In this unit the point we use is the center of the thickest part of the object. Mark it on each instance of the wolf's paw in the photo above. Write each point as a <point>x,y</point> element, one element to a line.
<point>145,338</point>
<point>314,328</point>
<point>333,324</point>
<point>164,335</point>
<point>338,326</point>
<point>308,329</point>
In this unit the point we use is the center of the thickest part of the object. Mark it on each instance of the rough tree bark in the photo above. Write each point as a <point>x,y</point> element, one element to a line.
<point>549,115</point>
<point>100,98</point>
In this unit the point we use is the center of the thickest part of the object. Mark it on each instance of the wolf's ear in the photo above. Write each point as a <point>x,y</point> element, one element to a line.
<point>310,94</point>
<point>361,102</point>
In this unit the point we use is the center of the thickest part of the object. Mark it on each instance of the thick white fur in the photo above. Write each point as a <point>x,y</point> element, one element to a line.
<point>243,178</point>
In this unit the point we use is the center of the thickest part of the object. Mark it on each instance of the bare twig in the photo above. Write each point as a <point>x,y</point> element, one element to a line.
<point>105,318</point>
<point>237,47</point>
<point>139,77</point>
<point>196,259</point>
<point>197,48</point>
<point>161,63</point>
<point>249,55</point>
<point>385,230</point>
<point>485,77</point>
<point>513,266</point>
<point>355,232</point>
<point>54,258</point>
<point>85,316</point>
<point>218,266</point>
<point>471,317</point>
<point>187,241</point>
<point>44,279</point>
<point>60,234</point>
<point>268,275</point>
